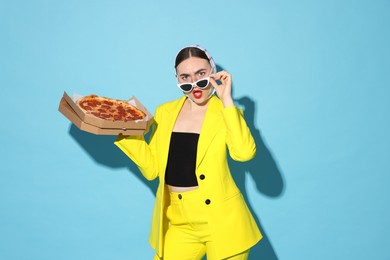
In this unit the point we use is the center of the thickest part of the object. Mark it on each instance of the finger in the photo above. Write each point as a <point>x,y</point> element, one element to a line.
<point>219,82</point>
<point>213,82</point>
<point>223,75</point>
<point>215,76</point>
<point>220,77</point>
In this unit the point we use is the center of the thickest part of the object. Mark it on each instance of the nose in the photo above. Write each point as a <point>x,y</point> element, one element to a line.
<point>194,79</point>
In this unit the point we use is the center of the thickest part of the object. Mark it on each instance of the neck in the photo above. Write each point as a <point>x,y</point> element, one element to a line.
<point>192,106</point>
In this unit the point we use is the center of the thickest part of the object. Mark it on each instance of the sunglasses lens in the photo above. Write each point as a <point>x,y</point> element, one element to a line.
<point>202,83</point>
<point>186,87</point>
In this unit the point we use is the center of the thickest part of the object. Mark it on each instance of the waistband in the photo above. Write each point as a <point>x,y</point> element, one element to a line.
<point>185,196</point>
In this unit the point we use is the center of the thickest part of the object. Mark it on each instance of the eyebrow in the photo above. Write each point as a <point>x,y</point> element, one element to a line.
<point>196,72</point>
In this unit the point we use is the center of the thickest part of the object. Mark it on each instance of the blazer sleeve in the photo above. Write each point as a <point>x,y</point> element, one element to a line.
<point>143,154</point>
<point>239,139</point>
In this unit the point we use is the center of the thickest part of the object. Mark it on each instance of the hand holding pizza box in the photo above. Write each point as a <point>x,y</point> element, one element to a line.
<point>106,116</point>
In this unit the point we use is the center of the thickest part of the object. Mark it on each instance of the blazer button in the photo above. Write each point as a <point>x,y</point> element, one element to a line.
<point>179,196</point>
<point>207,201</point>
<point>202,177</point>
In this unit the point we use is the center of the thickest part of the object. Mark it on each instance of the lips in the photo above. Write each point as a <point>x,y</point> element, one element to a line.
<point>197,93</point>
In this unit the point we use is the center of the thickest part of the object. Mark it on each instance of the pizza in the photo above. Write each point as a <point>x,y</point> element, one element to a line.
<point>110,109</point>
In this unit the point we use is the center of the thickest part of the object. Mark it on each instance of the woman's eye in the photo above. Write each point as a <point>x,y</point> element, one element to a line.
<point>202,73</point>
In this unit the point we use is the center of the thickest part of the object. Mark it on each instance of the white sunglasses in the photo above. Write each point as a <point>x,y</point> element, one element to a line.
<point>187,87</point>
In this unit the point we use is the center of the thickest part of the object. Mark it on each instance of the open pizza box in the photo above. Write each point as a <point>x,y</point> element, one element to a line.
<point>89,123</point>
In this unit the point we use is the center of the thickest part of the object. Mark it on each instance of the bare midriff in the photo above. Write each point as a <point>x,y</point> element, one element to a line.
<point>181,189</point>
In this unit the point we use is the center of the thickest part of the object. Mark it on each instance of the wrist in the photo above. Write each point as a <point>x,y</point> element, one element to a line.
<point>227,102</point>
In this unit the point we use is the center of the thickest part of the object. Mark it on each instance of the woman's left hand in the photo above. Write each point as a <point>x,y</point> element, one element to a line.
<point>224,90</point>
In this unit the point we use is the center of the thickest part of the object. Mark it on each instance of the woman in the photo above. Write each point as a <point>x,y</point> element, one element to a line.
<point>198,209</point>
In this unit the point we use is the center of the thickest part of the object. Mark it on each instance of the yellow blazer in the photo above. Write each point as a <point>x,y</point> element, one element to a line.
<point>233,227</point>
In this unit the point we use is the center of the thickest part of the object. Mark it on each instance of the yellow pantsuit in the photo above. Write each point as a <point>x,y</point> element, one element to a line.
<point>232,226</point>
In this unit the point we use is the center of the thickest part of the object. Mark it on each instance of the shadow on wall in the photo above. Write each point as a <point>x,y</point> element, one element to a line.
<point>265,173</point>
<point>263,169</point>
<point>102,150</point>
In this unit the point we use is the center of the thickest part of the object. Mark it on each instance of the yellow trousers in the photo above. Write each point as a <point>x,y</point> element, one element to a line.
<point>188,236</point>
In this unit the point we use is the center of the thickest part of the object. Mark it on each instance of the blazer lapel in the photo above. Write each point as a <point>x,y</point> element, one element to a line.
<point>210,127</point>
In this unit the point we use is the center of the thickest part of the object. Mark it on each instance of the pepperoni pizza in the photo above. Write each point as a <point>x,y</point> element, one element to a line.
<point>110,109</point>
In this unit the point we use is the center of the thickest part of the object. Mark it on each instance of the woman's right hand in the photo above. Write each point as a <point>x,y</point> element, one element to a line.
<point>224,90</point>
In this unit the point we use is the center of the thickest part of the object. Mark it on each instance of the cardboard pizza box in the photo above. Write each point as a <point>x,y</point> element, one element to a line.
<point>94,125</point>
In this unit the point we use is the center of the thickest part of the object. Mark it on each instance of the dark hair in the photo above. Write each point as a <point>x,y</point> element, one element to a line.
<point>190,52</point>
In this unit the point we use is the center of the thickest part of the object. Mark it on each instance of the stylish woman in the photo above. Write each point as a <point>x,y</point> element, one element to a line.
<point>198,209</point>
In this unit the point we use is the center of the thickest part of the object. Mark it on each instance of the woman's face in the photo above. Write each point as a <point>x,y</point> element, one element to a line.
<point>192,70</point>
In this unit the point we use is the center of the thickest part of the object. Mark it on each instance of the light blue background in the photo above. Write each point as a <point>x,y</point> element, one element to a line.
<point>314,79</point>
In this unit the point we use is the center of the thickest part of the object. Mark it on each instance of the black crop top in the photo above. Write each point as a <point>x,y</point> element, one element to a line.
<point>181,163</point>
